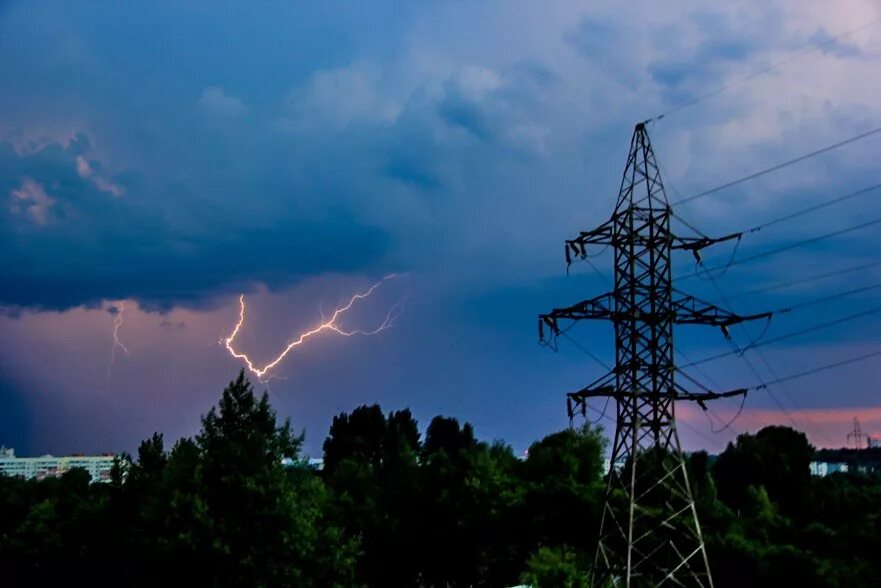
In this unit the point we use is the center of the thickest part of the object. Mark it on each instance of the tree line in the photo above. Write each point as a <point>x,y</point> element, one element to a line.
<point>237,506</point>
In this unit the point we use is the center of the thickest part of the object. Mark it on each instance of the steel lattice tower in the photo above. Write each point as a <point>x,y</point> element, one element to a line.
<point>857,437</point>
<point>649,534</point>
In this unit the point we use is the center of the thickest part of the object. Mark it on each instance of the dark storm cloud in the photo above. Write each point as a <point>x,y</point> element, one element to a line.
<point>840,47</point>
<point>457,111</point>
<point>266,197</point>
<point>88,244</point>
<point>186,186</point>
<point>282,141</point>
<point>593,37</point>
<point>722,44</point>
<point>468,114</point>
<point>263,149</point>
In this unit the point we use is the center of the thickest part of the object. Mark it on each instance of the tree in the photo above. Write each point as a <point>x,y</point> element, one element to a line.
<point>370,463</point>
<point>265,521</point>
<point>563,482</point>
<point>558,567</point>
<point>444,435</point>
<point>470,492</point>
<point>366,436</point>
<point>777,458</point>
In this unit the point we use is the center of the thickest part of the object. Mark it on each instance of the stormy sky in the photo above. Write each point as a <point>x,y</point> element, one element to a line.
<point>162,158</point>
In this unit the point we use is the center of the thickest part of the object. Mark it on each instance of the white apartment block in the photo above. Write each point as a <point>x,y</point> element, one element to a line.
<point>823,468</point>
<point>98,466</point>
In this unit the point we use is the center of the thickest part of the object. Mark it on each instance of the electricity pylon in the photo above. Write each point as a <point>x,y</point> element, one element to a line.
<point>856,437</point>
<point>649,532</point>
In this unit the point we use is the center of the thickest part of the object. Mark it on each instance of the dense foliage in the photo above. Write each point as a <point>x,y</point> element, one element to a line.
<point>237,506</point>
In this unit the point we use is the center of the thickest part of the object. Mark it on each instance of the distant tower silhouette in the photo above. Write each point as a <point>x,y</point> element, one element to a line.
<point>857,438</point>
<point>649,534</point>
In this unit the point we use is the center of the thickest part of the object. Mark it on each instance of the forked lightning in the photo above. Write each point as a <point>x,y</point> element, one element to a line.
<point>330,324</point>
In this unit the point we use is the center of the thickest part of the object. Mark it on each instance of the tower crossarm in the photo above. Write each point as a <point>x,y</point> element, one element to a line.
<point>605,235</point>
<point>602,235</point>
<point>599,307</point>
<point>577,401</point>
<point>695,244</point>
<point>680,393</point>
<point>702,397</point>
<point>689,310</point>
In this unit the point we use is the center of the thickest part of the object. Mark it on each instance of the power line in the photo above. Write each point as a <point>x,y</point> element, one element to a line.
<point>780,166</point>
<point>761,386</point>
<point>788,309</point>
<point>806,280</point>
<point>762,357</point>
<point>764,70</point>
<point>686,424</point>
<point>783,388</point>
<point>746,359</point>
<point>727,425</point>
<point>821,368</point>
<point>786,217</point>
<point>706,409</point>
<point>707,377</point>
<point>597,271</point>
<point>820,300</point>
<point>603,414</point>
<point>770,369</point>
<point>605,365</point>
<point>807,241</point>
<point>698,383</point>
<point>790,335</point>
<point>784,248</point>
<point>585,350</point>
<point>813,208</point>
<point>753,369</point>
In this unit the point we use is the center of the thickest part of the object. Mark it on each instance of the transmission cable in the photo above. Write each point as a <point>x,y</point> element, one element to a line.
<point>729,424</point>
<point>712,382</point>
<point>819,369</point>
<point>772,371</point>
<point>746,359</point>
<point>723,268</point>
<point>813,208</point>
<point>754,345</point>
<point>812,302</point>
<point>738,81</point>
<point>679,422</point>
<point>585,350</point>
<point>606,405</point>
<point>706,409</point>
<point>806,280</point>
<point>758,352</point>
<point>779,166</point>
<point>790,335</point>
<point>787,247</point>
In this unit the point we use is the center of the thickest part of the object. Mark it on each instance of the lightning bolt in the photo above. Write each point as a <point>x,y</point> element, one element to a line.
<point>118,321</point>
<point>327,324</point>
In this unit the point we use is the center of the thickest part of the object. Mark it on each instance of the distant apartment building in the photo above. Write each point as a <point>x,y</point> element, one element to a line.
<point>824,468</point>
<point>47,466</point>
<point>312,463</point>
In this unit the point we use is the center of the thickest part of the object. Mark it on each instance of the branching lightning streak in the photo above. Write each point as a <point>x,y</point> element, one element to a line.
<point>118,321</point>
<point>325,325</point>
